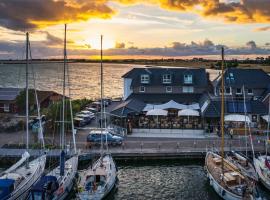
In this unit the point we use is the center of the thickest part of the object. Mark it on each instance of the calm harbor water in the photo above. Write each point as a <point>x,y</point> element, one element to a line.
<point>84,77</point>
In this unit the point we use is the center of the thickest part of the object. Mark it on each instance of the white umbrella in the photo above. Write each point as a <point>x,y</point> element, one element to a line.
<point>157,112</point>
<point>188,112</point>
<point>237,118</point>
<point>266,118</point>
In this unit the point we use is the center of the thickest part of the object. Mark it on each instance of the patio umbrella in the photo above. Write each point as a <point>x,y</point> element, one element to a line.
<point>266,118</point>
<point>188,112</point>
<point>237,118</point>
<point>157,112</point>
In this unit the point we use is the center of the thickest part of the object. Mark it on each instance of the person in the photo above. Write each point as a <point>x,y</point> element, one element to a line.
<point>231,133</point>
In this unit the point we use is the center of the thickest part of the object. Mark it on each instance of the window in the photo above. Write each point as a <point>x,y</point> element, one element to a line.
<point>250,91</point>
<point>168,88</point>
<point>228,90</point>
<point>238,90</point>
<point>167,78</point>
<point>188,89</point>
<point>145,78</point>
<point>6,107</point>
<point>142,89</point>
<point>188,79</point>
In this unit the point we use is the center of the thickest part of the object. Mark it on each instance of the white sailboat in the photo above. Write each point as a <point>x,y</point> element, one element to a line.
<point>58,183</point>
<point>16,181</point>
<point>225,177</point>
<point>98,180</point>
<point>262,163</point>
<point>242,161</point>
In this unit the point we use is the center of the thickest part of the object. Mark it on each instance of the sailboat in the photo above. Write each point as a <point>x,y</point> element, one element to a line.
<point>57,184</point>
<point>242,162</point>
<point>98,180</point>
<point>225,177</point>
<point>16,181</point>
<point>262,163</point>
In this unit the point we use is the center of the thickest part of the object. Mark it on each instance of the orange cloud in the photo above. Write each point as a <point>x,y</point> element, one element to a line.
<point>241,11</point>
<point>32,14</point>
<point>266,28</point>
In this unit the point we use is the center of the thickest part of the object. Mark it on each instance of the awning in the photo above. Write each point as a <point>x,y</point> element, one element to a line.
<point>237,118</point>
<point>266,118</point>
<point>188,112</point>
<point>157,112</point>
<point>171,105</point>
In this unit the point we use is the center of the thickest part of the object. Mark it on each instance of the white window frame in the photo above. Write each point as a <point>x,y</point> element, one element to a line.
<point>238,92</point>
<point>225,91</point>
<point>167,78</point>
<point>145,78</point>
<point>250,93</point>
<point>188,79</point>
<point>6,107</point>
<point>188,89</point>
<point>142,89</point>
<point>169,90</point>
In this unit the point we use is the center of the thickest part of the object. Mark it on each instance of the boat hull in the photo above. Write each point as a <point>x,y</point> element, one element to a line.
<point>22,191</point>
<point>221,191</point>
<point>258,163</point>
<point>88,195</point>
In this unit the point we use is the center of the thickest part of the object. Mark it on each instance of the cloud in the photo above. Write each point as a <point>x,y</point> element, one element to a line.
<point>53,40</point>
<point>33,14</point>
<point>242,11</point>
<point>15,50</point>
<point>251,44</point>
<point>120,45</point>
<point>266,28</point>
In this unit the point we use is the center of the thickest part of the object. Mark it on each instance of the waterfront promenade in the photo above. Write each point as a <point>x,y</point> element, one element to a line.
<point>142,147</point>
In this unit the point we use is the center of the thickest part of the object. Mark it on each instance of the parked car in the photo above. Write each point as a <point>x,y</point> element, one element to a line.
<point>93,110</point>
<point>79,122</point>
<point>95,138</point>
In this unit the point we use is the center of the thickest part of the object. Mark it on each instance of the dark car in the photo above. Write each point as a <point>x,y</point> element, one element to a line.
<point>95,138</point>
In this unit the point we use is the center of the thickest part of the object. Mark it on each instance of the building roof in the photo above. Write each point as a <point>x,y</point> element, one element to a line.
<point>156,74</point>
<point>250,78</point>
<point>9,94</point>
<point>128,106</point>
<point>164,98</point>
<point>252,106</point>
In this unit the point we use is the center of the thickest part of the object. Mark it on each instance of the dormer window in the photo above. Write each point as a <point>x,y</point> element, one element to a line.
<point>188,79</point>
<point>167,78</point>
<point>145,78</point>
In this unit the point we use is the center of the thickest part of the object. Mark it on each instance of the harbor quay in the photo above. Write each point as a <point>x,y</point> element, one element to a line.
<point>140,147</point>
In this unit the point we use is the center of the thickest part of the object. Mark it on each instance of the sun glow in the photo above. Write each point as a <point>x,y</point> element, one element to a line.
<point>95,42</point>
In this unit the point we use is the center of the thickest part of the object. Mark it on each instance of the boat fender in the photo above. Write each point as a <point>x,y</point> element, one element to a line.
<point>211,181</point>
<point>223,192</point>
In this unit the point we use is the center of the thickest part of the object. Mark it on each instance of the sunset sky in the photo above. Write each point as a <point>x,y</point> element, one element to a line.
<point>135,28</point>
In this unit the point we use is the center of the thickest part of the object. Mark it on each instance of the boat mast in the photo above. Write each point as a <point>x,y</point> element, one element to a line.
<point>245,110</point>
<point>63,98</point>
<point>27,93</point>
<point>101,91</point>
<point>267,131</point>
<point>222,110</point>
